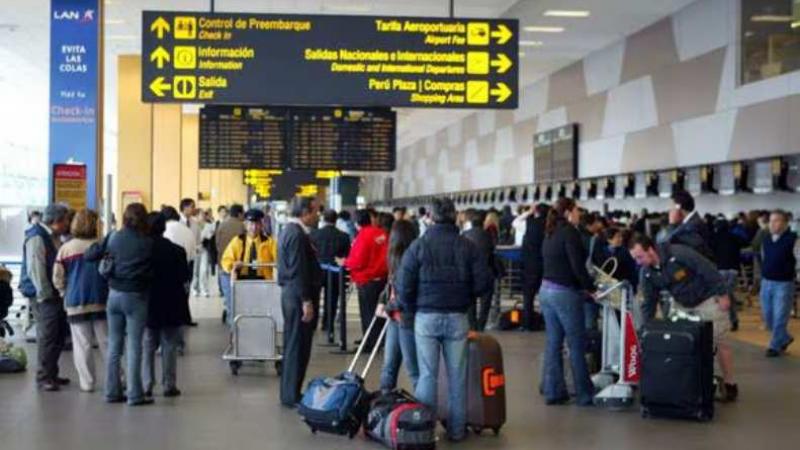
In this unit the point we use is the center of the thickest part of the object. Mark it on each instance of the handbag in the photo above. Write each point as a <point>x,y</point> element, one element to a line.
<point>106,265</point>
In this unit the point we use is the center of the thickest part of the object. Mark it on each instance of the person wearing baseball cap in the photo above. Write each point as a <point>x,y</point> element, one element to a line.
<point>252,247</point>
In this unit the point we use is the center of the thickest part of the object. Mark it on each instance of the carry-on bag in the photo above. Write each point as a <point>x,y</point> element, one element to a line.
<point>398,421</point>
<point>12,359</point>
<point>677,379</point>
<point>339,404</point>
<point>486,392</point>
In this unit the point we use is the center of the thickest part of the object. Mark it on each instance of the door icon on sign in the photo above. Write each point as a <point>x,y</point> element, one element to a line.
<point>185,57</point>
<point>477,33</point>
<point>184,87</point>
<point>185,27</point>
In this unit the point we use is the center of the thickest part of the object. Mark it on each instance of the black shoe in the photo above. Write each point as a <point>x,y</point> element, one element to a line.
<point>142,402</point>
<point>357,341</point>
<point>192,324</point>
<point>148,394</point>
<point>289,405</point>
<point>557,401</point>
<point>174,392</point>
<point>62,381</point>
<point>786,345</point>
<point>121,399</point>
<point>224,316</point>
<point>731,392</point>
<point>772,353</point>
<point>49,386</point>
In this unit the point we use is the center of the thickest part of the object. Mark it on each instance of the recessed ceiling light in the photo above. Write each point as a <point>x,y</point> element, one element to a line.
<point>115,21</point>
<point>540,29</point>
<point>531,43</point>
<point>771,18</point>
<point>567,13</point>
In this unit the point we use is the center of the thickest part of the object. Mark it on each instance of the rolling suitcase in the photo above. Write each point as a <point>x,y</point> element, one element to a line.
<point>339,405</point>
<point>486,392</point>
<point>677,378</point>
<point>397,420</point>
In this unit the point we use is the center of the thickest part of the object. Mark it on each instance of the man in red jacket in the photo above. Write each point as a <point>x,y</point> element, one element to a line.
<point>368,269</point>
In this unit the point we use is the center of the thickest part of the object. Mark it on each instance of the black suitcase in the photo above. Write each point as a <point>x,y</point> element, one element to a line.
<point>677,378</point>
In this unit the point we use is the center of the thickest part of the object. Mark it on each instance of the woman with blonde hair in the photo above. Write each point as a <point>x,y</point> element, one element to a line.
<point>85,293</point>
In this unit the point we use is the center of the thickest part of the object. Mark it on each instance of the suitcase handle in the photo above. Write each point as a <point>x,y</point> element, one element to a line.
<point>374,349</point>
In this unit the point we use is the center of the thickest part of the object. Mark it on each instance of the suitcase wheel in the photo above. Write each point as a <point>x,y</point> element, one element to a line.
<point>279,367</point>
<point>235,366</point>
<point>313,430</point>
<point>496,431</point>
<point>477,430</point>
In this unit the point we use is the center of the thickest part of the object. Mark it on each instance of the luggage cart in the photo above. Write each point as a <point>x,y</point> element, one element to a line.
<point>257,322</point>
<point>620,357</point>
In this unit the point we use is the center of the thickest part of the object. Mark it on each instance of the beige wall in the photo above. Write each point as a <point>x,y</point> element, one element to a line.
<point>158,151</point>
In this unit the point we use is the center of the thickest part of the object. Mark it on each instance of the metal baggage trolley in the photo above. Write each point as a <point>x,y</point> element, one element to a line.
<point>257,322</point>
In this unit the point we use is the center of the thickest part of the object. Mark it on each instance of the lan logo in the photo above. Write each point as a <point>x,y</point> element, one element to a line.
<point>185,27</point>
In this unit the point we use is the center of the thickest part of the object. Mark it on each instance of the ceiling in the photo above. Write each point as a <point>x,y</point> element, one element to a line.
<point>24,38</point>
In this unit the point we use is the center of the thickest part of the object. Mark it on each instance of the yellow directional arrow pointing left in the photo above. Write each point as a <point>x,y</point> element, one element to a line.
<point>158,86</point>
<point>502,62</point>
<point>503,34</point>
<point>160,56</point>
<point>159,27</point>
<point>501,91</point>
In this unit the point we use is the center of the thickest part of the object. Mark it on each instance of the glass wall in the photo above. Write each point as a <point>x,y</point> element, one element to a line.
<point>770,38</point>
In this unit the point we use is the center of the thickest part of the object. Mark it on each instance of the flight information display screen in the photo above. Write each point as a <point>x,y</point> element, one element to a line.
<point>299,138</point>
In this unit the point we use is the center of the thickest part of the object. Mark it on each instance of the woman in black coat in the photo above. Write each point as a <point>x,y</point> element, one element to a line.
<point>169,308</point>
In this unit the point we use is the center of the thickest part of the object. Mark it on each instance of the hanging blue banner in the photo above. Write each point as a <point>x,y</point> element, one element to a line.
<point>74,80</point>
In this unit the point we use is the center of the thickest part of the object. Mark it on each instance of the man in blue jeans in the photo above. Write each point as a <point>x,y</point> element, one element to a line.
<point>779,253</point>
<point>441,275</point>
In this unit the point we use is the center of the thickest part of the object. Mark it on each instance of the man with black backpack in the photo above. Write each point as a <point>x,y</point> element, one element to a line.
<point>42,241</point>
<point>698,290</point>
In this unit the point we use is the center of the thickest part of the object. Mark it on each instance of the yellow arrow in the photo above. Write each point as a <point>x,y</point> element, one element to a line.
<point>158,86</point>
<point>503,34</point>
<point>159,27</point>
<point>502,92</point>
<point>160,56</point>
<point>502,62</point>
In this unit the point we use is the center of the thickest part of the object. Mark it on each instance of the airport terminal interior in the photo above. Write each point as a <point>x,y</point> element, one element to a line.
<point>535,224</point>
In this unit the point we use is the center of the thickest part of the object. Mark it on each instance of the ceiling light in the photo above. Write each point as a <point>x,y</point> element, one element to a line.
<point>539,29</point>
<point>531,43</point>
<point>115,22</point>
<point>771,18</point>
<point>580,14</point>
<point>122,37</point>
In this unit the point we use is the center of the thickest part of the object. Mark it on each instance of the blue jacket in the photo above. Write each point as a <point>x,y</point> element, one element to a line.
<point>442,272</point>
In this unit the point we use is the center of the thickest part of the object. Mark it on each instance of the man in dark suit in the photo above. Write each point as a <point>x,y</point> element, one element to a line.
<point>688,227</point>
<point>532,261</point>
<point>331,243</point>
<point>479,314</point>
<point>300,278</point>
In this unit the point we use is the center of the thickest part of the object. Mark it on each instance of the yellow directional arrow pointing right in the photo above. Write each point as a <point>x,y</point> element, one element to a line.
<point>158,86</point>
<point>502,92</point>
<point>503,34</point>
<point>502,62</point>
<point>160,56</point>
<point>159,27</point>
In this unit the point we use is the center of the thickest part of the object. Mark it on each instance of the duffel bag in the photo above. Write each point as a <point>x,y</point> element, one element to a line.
<point>398,421</point>
<point>12,359</point>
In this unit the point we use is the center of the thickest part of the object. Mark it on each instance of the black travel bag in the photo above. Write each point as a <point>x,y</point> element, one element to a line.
<point>677,378</point>
<point>398,421</point>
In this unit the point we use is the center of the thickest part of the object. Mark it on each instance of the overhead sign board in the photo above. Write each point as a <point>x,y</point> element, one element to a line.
<point>329,60</point>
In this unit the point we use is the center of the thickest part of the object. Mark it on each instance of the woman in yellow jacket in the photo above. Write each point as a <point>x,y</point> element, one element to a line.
<point>252,247</point>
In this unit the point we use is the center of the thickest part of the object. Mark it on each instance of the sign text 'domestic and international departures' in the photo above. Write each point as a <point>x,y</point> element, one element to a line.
<point>329,60</point>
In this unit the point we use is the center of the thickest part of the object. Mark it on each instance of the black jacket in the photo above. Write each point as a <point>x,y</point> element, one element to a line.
<point>532,262</point>
<point>442,272</point>
<point>132,253</point>
<point>483,242</point>
<point>169,299</point>
<point>330,243</point>
<point>565,254</point>
<point>727,248</point>
<point>695,234</point>
<point>298,268</point>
